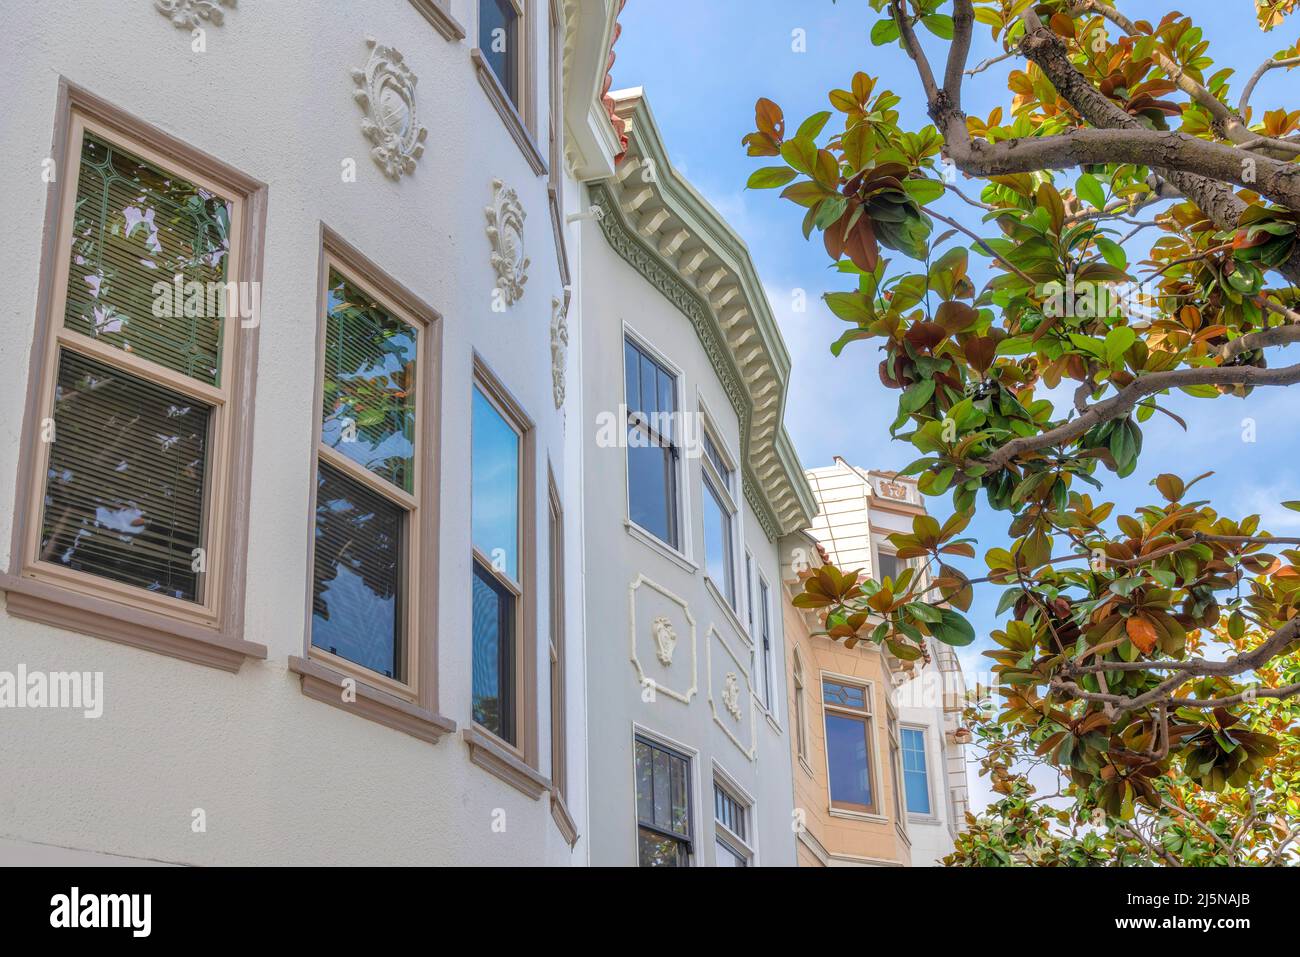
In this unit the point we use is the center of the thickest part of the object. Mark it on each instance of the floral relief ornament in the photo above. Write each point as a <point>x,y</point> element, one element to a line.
<point>505,231</point>
<point>559,347</point>
<point>665,639</point>
<point>190,14</point>
<point>386,91</point>
<point>731,694</point>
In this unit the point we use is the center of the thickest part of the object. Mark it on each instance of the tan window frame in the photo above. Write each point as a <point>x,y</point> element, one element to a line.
<point>409,705</point>
<point>800,710</point>
<point>865,716</point>
<point>521,118</point>
<point>517,763</point>
<point>208,631</point>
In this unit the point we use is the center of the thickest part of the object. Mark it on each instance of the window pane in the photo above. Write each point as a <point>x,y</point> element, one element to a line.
<point>493,678</point>
<point>645,795</point>
<point>497,32</point>
<point>652,487</point>
<point>914,771</point>
<point>369,394</point>
<point>846,749</point>
<point>124,487</point>
<point>136,225</point>
<point>649,397</point>
<point>726,857</point>
<point>632,377</point>
<point>849,696</point>
<point>888,566</point>
<point>357,591</point>
<point>657,850</point>
<point>494,489</point>
<point>717,543</point>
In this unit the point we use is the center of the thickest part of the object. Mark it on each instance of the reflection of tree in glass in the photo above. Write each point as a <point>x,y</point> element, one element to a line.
<point>369,384</point>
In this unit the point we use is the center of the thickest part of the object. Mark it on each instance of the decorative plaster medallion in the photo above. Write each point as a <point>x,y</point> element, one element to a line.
<point>665,639</point>
<point>190,14</point>
<point>386,91</point>
<point>559,347</point>
<point>731,694</point>
<point>505,231</point>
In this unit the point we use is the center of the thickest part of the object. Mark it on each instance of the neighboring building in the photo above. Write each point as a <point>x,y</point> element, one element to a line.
<point>324,548</point>
<point>690,482</point>
<point>879,770</point>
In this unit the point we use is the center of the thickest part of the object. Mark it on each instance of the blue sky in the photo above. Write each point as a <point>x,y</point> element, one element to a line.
<point>703,63</point>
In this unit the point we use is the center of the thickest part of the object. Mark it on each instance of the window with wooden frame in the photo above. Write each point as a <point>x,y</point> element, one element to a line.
<point>663,805</point>
<point>559,698</point>
<point>800,710</point>
<point>653,449</point>
<point>717,478</point>
<point>130,519</point>
<point>372,614</point>
<point>849,750</point>
<point>504,61</point>
<point>731,828</point>
<point>503,600</point>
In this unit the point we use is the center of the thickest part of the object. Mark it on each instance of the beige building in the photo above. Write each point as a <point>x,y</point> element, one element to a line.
<point>879,773</point>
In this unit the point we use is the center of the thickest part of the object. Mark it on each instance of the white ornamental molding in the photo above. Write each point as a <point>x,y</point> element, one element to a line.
<point>190,14</point>
<point>560,350</point>
<point>731,694</point>
<point>644,680</point>
<point>386,91</point>
<point>665,638</point>
<point>505,231</point>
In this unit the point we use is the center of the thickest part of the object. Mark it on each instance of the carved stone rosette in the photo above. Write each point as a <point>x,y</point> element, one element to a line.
<point>559,347</point>
<point>190,14</point>
<point>505,232</point>
<point>386,91</point>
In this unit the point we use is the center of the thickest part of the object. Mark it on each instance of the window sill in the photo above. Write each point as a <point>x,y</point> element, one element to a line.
<point>727,610</point>
<point>440,17</point>
<point>772,721</point>
<point>49,604</point>
<point>492,756</point>
<point>647,538</point>
<point>560,813</point>
<point>858,816</point>
<point>326,685</point>
<point>923,819</point>
<point>515,125</point>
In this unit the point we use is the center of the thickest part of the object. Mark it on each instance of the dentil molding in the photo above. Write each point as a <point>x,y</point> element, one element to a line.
<point>505,233</point>
<point>386,92</point>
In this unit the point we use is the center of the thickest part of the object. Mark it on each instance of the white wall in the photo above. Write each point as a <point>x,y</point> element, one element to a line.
<point>283,778</point>
<point>615,294</point>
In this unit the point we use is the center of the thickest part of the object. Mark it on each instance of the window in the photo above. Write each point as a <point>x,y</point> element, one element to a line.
<point>765,619</point>
<point>652,450</point>
<point>719,510</point>
<point>369,470</point>
<point>503,61</point>
<point>496,520</point>
<point>894,770</point>
<point>134,447</point>
<point>731,820</point>
<point>749,594</point>
<point>916,781</point>
<point>889,565</point>
<point>663,805</point>
<point>800,728</point>
<point>848,745</point>
<point>559,744</point>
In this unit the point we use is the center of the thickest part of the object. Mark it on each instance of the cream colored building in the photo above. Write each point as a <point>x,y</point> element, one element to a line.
<point>880,776</point>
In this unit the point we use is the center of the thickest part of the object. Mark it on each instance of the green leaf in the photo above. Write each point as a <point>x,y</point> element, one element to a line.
<point>916,396</point>
<point>811,127</point>
<point>923,190</point>
<point>801,153</point>
<point>1112,252</point>
<point>1118,341</point>
<point>954,629</point>
<point>830,210</point>
<point>1090,191</point>
<point>940,24</point>
<point>770,177</point>
<point>885,31</point>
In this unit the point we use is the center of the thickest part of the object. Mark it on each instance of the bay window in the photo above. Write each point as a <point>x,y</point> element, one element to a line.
<point>653,452</point>
<point>719,509</point>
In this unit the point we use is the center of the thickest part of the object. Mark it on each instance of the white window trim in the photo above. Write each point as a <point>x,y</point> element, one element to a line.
<point>920,818</point>
<point>729,783</point>
<point>684,552</point>
<point>765,656</point>
<point>693,756</point>
<point>727,499</point>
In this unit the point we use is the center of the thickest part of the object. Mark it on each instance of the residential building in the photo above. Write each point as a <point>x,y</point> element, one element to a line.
<point>315,519</point>
<point>690,483</point>
<point>880,775</point>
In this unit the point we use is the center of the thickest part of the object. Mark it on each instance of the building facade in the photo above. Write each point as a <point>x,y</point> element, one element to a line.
<point>690,480</point>
<point>880,777</point>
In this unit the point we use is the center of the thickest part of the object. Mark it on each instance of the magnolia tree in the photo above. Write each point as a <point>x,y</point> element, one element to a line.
<point>1139,221</point>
